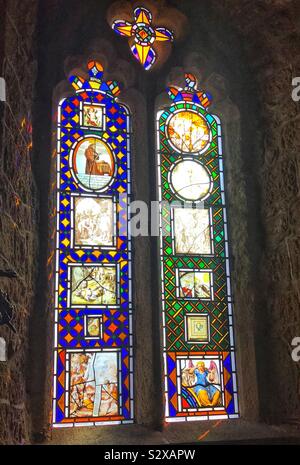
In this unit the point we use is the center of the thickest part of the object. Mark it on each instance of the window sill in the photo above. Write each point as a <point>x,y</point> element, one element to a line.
<point>226,432</point>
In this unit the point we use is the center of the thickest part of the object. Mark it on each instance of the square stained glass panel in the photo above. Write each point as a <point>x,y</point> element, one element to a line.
<point>195,284</point>
<point>94,390</point>
<point>192,231</point>
<point>94,221</point>
<point>93,285</point>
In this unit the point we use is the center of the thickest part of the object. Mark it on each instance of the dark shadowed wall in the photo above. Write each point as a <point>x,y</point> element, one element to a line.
<point>18,203</point>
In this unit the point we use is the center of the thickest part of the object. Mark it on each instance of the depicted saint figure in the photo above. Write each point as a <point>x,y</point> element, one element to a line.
<point>207,393</point>
<point>93,163</point>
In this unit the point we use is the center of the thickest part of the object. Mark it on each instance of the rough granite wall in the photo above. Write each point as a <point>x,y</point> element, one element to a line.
<point>270,31</point>
<point>18,239</point>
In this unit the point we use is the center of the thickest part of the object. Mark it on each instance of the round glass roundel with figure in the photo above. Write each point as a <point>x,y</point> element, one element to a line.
<point>93,163</point>
<point>188,132</point>
<point>190,180</point>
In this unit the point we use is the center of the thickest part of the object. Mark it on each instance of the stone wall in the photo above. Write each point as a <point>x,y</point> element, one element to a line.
<point>18,238</point>
<point>270,33</point>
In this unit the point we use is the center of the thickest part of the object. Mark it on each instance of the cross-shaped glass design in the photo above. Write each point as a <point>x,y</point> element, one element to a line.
<point>144,36</point>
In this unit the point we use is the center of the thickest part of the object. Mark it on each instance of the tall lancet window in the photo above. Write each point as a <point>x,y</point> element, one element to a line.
<point>198,341</point>
<point>93,308</point>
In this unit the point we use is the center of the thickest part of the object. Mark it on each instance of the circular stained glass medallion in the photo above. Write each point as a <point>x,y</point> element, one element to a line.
<point>188,132</point>
<point>190,180</point>
<point>93,163</point>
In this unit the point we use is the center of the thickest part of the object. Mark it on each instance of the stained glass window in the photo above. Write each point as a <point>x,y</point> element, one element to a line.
<point>93,307</point>
<point>142,36</point>
<point>198,338</point>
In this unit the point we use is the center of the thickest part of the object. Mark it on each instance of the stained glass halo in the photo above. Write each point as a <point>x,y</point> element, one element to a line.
<point>190,180</point>
<point>188,132</point>
<point>85,182</point>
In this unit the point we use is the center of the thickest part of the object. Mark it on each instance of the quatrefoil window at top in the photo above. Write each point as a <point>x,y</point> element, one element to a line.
<point>144,35</point>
